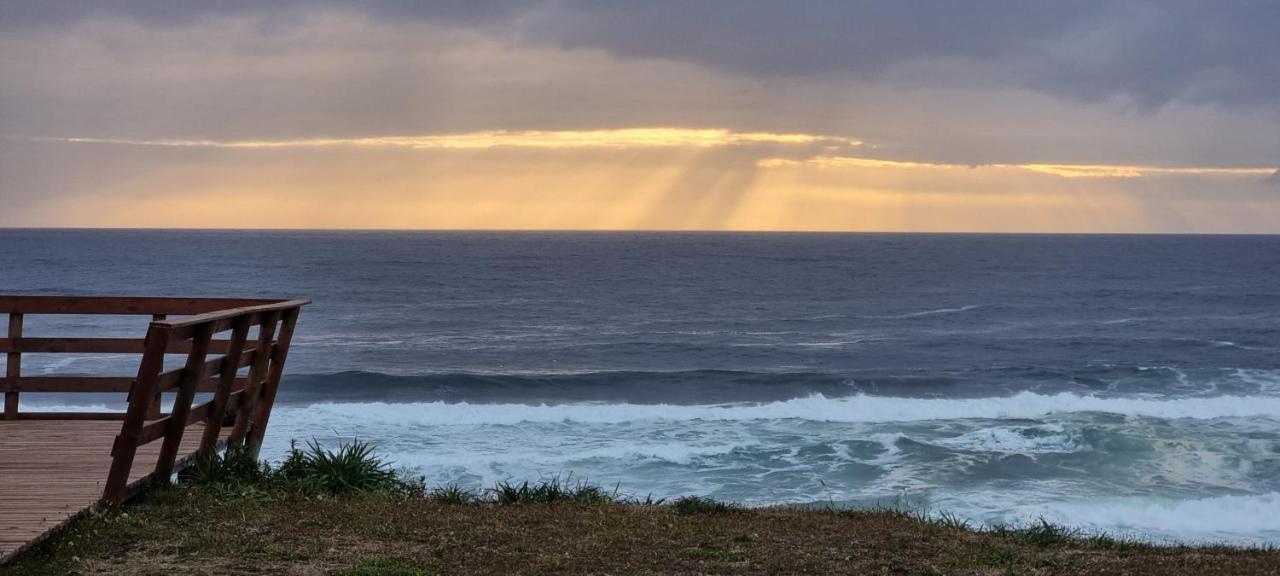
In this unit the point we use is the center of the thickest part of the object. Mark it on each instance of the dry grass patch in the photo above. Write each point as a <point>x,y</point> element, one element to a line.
<point>197,530</point>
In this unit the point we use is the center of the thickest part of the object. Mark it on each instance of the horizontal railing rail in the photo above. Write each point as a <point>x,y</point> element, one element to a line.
<point>95,346</point>
<point>122,305</point>
<point>212,365</point>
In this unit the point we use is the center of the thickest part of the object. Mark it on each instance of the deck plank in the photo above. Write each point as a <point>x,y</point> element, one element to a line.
<point>51,470</point>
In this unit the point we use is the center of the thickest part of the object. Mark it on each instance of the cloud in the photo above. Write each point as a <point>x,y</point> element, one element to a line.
<point>1274,178</point>
<point>1148,52</point>
<point>1061,170</point>
<point>29,13</point>
<point>613,138</point>
<point>231,71</point>
<point>1151,53</point>
<point>49,183</point>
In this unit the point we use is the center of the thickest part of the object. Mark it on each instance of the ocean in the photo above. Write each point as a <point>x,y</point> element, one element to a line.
<point>1121,383</point>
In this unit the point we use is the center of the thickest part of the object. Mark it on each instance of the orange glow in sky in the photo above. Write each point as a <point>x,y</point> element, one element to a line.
<point>632,178</point>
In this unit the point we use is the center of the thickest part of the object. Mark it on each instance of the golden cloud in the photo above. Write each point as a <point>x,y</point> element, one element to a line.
<point>616,138</point>
<point>1061,170</point>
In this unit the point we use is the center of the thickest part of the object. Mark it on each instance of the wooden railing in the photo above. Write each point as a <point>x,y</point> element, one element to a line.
<point>211,366</point>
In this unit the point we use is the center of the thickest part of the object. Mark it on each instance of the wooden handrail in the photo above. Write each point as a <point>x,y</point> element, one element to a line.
<point>122,305</point>
<point>95,346</point>
<point>99,384</point>
<point>223,320</point>
<point>212,365</point>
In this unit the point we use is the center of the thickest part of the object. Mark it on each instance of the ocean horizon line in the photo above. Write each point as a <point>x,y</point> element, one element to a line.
<point>645,231</point>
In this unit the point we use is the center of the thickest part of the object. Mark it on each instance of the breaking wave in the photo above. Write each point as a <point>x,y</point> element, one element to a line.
<point>1232,518</point>
<point>861,408</point>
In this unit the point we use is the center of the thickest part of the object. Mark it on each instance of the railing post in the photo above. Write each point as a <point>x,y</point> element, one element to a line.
<point>192,374</point>
<point>13,368</point>
<point>226,380</point>
<point>257,373</point>
<point>281,350</point>
<point>157,401</point>
<point>126,443</point>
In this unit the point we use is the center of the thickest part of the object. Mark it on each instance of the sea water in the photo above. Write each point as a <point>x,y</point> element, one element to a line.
<point>1121,383</point>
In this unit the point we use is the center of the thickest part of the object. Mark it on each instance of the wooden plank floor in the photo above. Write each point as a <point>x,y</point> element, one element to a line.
<point>52,470</point>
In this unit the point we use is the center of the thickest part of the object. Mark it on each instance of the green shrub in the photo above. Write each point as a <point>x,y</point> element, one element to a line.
<point>352,467</point>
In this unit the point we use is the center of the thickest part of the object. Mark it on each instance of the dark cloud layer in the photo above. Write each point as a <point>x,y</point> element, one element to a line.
<point>1152,52</point>
<point>1148,52</point>
<point>178,12</point>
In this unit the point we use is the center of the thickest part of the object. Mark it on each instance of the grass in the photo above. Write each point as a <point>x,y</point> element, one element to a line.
<point>385,567</point>
<point>351,468</point>
<point>551,491</point>
<point>344,512</point>
<point>698,505</point>
<point>453,495</point>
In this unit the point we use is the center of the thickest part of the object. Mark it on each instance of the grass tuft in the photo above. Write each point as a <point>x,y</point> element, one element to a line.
<point>699,505</point>
<point>235,466</point>
<point>648,500</point>
<point>950,521</point>
<point>385,567</point>
<point>454,494</point>
<point>1000,557</point>
<point>551,491</point>
<point>1043,533</point>
<point>351,468</point>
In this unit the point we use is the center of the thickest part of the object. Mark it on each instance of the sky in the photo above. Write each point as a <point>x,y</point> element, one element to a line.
<point>904,115</point>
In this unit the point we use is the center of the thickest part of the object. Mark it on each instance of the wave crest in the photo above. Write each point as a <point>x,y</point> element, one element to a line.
<point>1025,405</point>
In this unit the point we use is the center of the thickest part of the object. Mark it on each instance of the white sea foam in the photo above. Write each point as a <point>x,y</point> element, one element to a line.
<point>560,455</point>
<point>1025,405</point>
<point>27,407</point>
<point>1233,518</point>
<point>752,454</point>
<point>1046,439</point>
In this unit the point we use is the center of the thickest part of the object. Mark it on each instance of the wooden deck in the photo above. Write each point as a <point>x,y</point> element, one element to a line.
<point>51,470</point>
<point>54,465</point>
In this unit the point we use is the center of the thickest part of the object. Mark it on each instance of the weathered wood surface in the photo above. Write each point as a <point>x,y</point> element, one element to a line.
<point>53,470</point>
